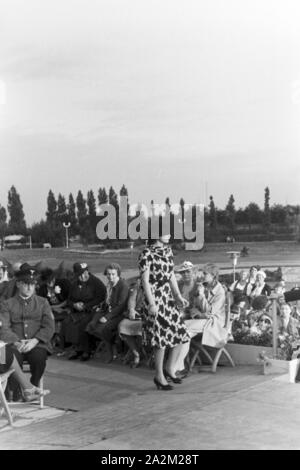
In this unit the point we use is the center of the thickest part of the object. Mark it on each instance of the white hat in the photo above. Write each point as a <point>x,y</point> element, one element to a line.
<point>261,273</point>
<point>185,266</point>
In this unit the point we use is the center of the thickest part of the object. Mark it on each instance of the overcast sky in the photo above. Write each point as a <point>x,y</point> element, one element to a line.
<point>178,98</point>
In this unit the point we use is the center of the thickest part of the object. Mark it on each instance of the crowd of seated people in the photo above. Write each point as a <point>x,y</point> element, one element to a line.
<point>78,311</point>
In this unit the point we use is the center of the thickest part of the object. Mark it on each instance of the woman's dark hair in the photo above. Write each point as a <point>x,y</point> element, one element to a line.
<point>259,302</point>
<point>240,297</point>
<point>47,275</point>
<point>115,266</point>
<point>151,241</point>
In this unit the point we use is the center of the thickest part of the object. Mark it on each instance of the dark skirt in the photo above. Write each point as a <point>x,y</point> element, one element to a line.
<point>105,331</point>
<point>74,325</point>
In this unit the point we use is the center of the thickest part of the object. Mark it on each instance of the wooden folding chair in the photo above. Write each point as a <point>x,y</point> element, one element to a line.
<point>197,347</point>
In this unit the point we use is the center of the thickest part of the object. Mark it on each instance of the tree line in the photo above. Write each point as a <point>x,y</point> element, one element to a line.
<point>81,213</point>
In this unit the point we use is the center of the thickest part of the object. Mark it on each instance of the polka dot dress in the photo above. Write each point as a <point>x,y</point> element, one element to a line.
<point>167,328</point>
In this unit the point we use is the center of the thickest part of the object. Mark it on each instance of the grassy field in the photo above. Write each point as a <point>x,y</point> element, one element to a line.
<point>267,254</point>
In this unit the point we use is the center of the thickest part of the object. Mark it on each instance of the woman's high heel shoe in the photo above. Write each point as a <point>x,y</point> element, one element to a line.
<point>175,380</point>
<point>161,386</point>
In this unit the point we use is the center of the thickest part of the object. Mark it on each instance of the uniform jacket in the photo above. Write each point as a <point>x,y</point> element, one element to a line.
<point>27,319</point>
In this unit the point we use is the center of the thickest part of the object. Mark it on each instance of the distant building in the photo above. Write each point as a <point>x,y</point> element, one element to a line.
<point>14,240</point>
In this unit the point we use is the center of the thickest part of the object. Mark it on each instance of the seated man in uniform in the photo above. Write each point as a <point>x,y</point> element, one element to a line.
<point>28,323</point>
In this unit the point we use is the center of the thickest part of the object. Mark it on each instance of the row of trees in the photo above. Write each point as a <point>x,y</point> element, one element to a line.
<point>269,222</point>
<point>81,213</point>
<point>250,215</point>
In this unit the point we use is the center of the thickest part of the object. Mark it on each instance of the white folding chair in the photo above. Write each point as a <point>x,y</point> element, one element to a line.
<point>3,383</point>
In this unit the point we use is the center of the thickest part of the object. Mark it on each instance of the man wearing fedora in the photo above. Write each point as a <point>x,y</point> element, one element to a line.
<point>28,323</point>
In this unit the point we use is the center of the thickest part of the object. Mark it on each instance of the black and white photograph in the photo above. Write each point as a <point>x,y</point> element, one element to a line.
<point>149,227</point>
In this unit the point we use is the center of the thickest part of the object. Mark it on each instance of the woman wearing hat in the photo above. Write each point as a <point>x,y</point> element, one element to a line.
<point>264,323</point>
<point>189,286</point>
<point>187,283</point>
<point>164,325</point>
<point>86,293</point>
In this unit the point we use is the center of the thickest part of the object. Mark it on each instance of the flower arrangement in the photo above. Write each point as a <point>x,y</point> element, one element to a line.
<point>243,334</point>
<point>288,346</point>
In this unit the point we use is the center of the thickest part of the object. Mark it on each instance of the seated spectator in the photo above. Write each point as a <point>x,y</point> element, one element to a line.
<point>86,293</point>
<point>56,291</point>
<point>260,287</point>
<point>279,288</point>
<point>104,323</point>
<point>210,305</point>
<point>240,285</point>
<point>287,324</point>
<point>240,308</point>
<point>7,285</point>
<point>264,324</point>
<point>295,313</point>
<point>27,323</point>
<point>251,279</point>
<point>259,306</point>
<point>188,286</point>
<point>130,328</point>
<point>3,272</point>
<point>9,362</point>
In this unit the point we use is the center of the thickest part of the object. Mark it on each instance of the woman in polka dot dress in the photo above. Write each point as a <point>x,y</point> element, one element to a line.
<point>164,325</point>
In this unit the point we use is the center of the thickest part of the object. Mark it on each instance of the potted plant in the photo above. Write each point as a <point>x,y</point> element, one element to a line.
<point>286,360</point>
